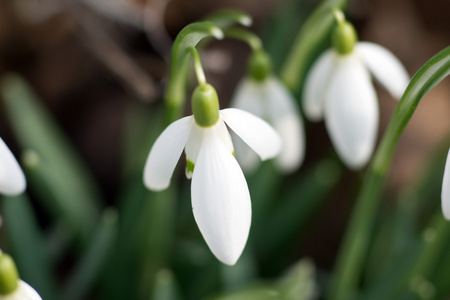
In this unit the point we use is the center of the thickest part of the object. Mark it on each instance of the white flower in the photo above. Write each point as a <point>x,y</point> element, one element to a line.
<point>445,193</point>
<point>219,192</point>
<point>271,101</point>
<point>338,89</point>
<point>23,292</point>
<point>12,179</point>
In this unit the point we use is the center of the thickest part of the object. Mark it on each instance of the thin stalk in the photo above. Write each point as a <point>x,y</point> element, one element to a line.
<point>198,66</point>
<point>354,248</point>
<point>246,36</point>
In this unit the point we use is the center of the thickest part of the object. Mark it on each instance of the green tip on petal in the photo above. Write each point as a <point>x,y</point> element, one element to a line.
<point>344,37</point>
<point>189,166</point>
<point>9,277</point>
<point>260,65</point>
<point>205,105</point>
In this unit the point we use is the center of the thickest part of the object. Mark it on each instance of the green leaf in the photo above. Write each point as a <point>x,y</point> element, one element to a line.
<point>299,283</point>
<point>165,286</point>
<point>63,172</point>
<point>93,261</point>
<point>27,245</point>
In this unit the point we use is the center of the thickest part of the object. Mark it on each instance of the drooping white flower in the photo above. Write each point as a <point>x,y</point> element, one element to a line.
<point>339,90</point>
<point>23,292</point>
<point>270,100</point>
<point>445,192</point>
<point>12,179</point>
<point>219,192</point>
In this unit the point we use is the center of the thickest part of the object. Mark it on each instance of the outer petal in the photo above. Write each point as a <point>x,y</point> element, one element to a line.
<point>445,193</point>
<point>220,199</point>
<point>351,112</point>
<point>315,85</point>
<point>23,292</point>
<point>286,119</point>
<point>256,133</point>
<point>385,67</point>
<point>12,179</point>
<point>165,153</point>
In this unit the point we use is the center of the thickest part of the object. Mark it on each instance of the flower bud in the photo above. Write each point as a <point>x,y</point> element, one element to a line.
<point>344,38</point>
<point>260,65</point>
<point>205,105</point>
<point>9,277</point>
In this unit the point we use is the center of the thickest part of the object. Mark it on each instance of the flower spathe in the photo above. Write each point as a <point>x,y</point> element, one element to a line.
<point>12,179</point>
<point>270,100</point>
<point>23,292</point>
<point>339,90</point>
<point>219,192</point>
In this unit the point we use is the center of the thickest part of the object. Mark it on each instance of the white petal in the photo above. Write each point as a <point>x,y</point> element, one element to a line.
<point>445,193</point>
<point>315,84</point>
<point>220,199</point>
<point>12,179</point>
<point>249,97</point>
<point>351,112</point>
<point>165,154</point>
<point>24,292</point>
<point>286,119</point>
<point>256,133</point>
<point>385,67</point>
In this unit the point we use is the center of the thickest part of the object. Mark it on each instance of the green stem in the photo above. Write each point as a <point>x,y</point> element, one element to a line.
<point>198,66</point>
<point>246,36</point>
<point>356,240</point>
<point>312,34</point>
<point>189,36</point>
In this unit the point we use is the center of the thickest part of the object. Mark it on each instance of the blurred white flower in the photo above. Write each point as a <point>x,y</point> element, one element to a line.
<point>23,292</point>
<point>445,193</point>
<point>219,192</point>
<point>12,179</point>
<point>270,100</point>
<point>338,89</point>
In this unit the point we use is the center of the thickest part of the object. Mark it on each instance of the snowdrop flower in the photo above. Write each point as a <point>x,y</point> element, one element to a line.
<point>219,192</point>
<point>263,95</point>
<point>12,179</point>
<point>338,89</point>
<point>445,193</point>
<point>11,287</point>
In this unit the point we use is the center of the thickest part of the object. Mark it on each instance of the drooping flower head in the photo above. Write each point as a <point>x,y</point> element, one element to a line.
<point>12,179</point>
<point>264,95</point>
<point>219,192</point>
<point>11,287</point>
<point>338,89</point>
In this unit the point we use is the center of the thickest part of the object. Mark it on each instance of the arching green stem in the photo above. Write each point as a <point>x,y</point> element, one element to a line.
<point>308,41</point>
<point>189,36</point>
